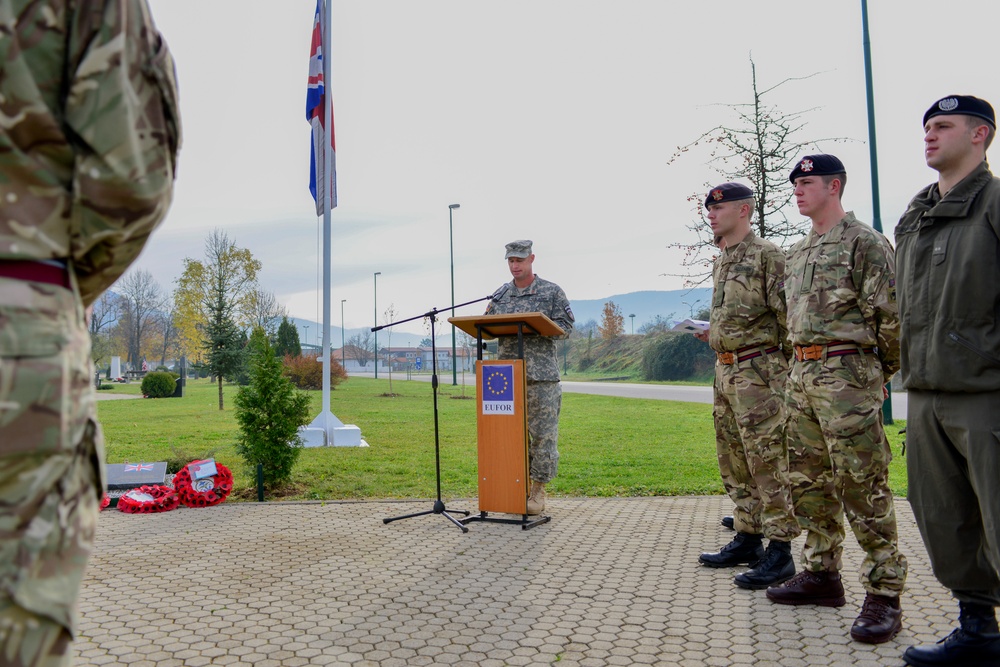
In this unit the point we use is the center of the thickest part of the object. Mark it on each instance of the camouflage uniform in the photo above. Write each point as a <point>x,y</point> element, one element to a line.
<point>541,363</point>
<point>840,288</point>
<point>748,322</point>
<point>89,133</point>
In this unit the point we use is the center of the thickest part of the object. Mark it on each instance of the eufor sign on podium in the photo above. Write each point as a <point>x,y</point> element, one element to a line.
<point>502,427</point>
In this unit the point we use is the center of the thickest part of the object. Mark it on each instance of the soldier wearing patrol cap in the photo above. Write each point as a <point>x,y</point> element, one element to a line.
<point>527,293</point>
<point>948,261</point>
<point>843,325</point>
<point>88,143</point>
<point>747,331</point>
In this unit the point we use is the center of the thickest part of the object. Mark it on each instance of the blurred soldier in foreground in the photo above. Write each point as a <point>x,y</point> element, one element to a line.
<point>89,133</point>
<point>749,337</point>
<point>949,297</point>
<point>528,293</point>
<point>843,324</point>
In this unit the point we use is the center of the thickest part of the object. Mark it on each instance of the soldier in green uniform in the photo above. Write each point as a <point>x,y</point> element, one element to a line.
<point>527,293</point>
<point>843,324</point>
<point>948,256</point>
<point>747,331</point>
<point>89,134</point>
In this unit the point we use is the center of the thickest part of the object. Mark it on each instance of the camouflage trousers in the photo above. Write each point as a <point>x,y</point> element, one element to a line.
<point>544,400</point>
<point>749,415</point>
<point>50,473</point>
<point>839,465</point>
<point>952,461</point>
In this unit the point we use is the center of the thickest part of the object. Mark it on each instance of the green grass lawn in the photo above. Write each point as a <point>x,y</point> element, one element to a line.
<point>608,446</point>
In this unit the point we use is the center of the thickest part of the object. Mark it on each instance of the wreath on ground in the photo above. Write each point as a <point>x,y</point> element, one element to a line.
<point>105,501</point>
<point>148,499</point>
<point>203,492</point>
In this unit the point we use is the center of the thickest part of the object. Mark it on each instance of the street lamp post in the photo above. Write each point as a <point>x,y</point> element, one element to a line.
<point>343,360</point>
<point>375,278</point>
<point>632,315</point>
<point>306,327</point>
<point>451,244</point>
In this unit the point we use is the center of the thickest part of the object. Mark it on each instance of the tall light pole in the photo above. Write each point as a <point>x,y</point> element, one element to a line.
<point>451,244</point>
<point>632,315</point>
<point>306,327</point>
<point>343,360</point>
<point>375,278</point>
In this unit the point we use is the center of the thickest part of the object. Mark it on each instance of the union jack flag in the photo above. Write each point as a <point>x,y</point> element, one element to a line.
<point>138,467</point>
<point>315,114</point>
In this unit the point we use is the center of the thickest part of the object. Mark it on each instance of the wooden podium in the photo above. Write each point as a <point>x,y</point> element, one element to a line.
<point>501,417</point>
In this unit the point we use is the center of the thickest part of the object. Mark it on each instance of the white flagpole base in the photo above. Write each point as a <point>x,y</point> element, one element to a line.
<point>328,431</point>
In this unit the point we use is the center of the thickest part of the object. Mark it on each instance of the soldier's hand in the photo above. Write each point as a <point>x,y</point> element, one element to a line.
<point>885,393</point>
<point>701,335</point>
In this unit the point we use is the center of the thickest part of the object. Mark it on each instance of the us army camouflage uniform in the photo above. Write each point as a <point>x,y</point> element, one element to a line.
<point>840,287</point>
<point>541,367</point>
<point>748,318</point>
<point>89,133</point>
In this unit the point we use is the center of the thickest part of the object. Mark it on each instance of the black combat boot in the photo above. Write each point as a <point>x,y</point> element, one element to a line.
<point>880,620</point>
<point>729,522</point>
<point>745,549</point>
<point>776,566</point>
<point>976,643</point>
<point>820,588</point>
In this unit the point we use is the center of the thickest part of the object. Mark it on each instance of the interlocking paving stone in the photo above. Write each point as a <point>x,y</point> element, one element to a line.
<point>610,581</point>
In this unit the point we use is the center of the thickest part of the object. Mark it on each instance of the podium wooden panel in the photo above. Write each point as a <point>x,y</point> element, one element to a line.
<point>502,429</point>
<point>493,326</point>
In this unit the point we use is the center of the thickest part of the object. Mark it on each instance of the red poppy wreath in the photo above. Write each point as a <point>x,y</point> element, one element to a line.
<point>148,499</point>
<point>203,492</point>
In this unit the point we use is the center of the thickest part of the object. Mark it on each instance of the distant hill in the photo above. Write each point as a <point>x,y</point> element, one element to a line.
<point>671,305</point>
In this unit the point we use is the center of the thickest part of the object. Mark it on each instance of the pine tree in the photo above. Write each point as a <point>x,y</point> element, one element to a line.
<point>269,412</point>
<point>287,340</point>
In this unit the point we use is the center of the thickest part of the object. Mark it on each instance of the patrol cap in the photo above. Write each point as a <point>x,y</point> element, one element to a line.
<point>520,249</point>
<point>964,105</point>
<point>817,165</point>
<point>727,192</point>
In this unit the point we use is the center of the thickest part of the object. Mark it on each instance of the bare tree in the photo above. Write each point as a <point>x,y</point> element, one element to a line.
<point>359,347</point>
<point>104,312</point>
<point>761,147</point>
<point>141,301</point>
<point>166,334</point>
<point>388,318</point>
<point>263,310</point>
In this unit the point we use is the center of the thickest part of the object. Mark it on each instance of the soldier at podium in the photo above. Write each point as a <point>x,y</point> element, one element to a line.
<point>527,293</point>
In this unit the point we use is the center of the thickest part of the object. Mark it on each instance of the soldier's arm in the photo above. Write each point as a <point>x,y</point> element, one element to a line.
<point>123,120</point>
<point>875,266</point>
<point>774,281</point>
<point>561,313</point>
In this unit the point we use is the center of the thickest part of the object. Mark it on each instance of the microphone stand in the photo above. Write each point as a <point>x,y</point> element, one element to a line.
<point>439,507</point>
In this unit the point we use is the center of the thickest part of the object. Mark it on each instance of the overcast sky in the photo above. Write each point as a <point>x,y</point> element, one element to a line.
<point>547,120</point>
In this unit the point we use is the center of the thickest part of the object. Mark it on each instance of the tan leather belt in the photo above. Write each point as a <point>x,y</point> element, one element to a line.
<point>730,358</point>
<point>835,349</point>
<point>36,272</point>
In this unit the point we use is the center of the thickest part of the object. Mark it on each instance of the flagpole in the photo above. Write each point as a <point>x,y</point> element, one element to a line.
<point>327,205</point>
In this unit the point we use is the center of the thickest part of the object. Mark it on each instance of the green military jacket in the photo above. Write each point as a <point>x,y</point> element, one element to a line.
<point>948,262</point>
<point>89,134</point>
<point>748,297</point>
<point>541,359</point>
<point>841,286</point>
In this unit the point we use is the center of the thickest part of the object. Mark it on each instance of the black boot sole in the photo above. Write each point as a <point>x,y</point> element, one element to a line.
<point>753,586</point>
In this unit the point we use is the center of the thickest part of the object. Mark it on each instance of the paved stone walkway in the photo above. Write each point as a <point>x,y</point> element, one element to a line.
<point>610,581</point>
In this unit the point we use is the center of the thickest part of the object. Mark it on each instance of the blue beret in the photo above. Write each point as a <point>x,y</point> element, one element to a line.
<point>817,165</point>
<point>728,192</point>
<point>964,105</point>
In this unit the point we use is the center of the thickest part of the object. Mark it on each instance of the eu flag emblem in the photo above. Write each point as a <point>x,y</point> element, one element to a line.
<point>497,390</point>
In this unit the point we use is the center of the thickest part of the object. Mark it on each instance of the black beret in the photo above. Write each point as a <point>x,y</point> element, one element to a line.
<point>964,105</point>
<point>728,192</point>
<point>817,165</point>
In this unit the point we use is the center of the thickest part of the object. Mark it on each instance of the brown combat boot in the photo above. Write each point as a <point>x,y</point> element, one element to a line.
<point>879,621</point>
<point>822,588</point>
<point>536,499</point>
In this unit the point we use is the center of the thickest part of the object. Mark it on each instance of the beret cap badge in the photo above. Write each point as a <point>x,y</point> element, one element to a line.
<point>807,165</point>
<point>948,104</point>
<point>717,194</point>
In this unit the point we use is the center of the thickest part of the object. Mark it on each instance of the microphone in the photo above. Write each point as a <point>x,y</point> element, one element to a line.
<point>496,296</point>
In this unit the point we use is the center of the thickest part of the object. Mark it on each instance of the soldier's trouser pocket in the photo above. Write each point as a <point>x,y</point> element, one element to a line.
<point>46,399</point>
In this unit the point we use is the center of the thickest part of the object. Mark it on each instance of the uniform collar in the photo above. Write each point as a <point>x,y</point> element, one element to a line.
<point>738,251</point>
<point>835,233</point>
<point>958,201</point>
